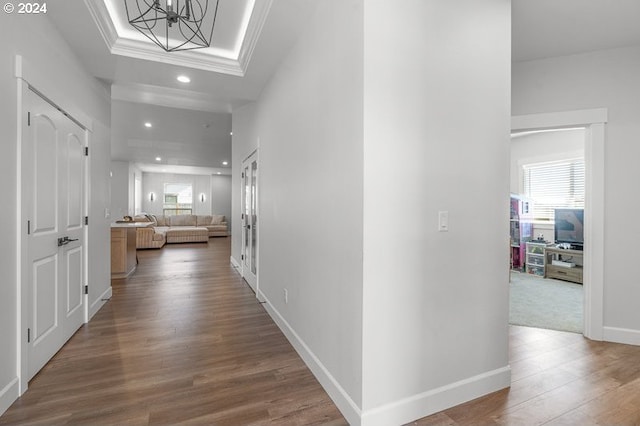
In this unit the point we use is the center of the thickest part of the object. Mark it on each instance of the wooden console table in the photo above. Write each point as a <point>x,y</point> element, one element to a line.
<point>573,274</point>
<point>123,248</point>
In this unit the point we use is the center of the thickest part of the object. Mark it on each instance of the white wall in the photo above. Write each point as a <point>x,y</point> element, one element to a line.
<point>244,142</point>
<point>134,172</point>
<point>220,197</point>
<point>154,182</point>
<point>49,57</point>
<point>119,189</point>
<point>436,120</point>
<point>604,79</point>
<point>99,217</point>
<point>308,122</point>
<point>383,114</point>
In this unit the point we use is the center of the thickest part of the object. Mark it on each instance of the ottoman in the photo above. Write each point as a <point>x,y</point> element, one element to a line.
<point>187,234</point>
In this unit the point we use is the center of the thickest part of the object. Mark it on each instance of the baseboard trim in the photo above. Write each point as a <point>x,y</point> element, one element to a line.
<point>399,412</point>
<point>435,400</point>
<point>235,263</point>
<point>99,302</point>
<point>626,336</point>
<point>345,404</point>
<point>9,394</point>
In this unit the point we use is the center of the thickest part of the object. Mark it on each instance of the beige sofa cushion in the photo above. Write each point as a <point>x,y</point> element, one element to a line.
<point>161,221</point>
<point>216,219</point>
<point>203,220</point>
<point>182,220</point>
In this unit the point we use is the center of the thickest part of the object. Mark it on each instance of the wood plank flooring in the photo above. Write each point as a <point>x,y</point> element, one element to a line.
<point>558,378</point>
<point>183,341</point>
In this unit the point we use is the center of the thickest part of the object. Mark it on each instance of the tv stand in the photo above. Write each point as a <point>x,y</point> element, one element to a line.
<point>560,271</point>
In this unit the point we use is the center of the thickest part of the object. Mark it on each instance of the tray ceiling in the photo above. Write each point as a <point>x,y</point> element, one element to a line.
<point>237,30</point>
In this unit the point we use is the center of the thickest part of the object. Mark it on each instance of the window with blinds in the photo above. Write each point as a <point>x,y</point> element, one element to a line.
<point>178,199</point>
<point>558,184</point>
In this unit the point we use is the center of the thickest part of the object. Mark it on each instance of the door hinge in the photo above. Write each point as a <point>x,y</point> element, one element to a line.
<point>86,220</point>
<point>242,257</point>
<point>86,151</point>
<point>28,119</point>
<point>242,216</point>
<point>28,335</point>
<point>86,289</point>
<point>242,175</point>
<point>28,227</point>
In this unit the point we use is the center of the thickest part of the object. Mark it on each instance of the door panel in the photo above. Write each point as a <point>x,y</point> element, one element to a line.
<point>45,172</point>
<point>74,166</point>
<point>45,289</point>
<point>74,283</point>
<point>250,221</point>
<point>53,193</point>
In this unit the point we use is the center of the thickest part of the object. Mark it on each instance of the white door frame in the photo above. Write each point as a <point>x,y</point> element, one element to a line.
<point>248,159</point>
<point>594,121</point>
<point>28,75</point>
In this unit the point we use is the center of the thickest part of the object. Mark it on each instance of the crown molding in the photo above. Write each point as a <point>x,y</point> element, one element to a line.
<point>168,97</point>
<point>101,17</point>
<point>197,59</point>
<point>187,58</point>
<point>254,29</point>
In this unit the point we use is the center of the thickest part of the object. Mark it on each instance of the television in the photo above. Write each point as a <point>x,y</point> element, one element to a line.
<point>569,227</point>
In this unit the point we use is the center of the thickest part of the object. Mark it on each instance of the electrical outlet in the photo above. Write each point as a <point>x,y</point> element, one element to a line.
<point>286,296</point>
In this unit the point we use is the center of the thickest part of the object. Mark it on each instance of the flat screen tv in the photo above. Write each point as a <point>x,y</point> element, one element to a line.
<point>569,227</point>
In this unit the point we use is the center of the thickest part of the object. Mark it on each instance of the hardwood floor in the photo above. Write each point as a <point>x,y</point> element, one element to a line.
<point>183,341</point>
<point>558,378</point>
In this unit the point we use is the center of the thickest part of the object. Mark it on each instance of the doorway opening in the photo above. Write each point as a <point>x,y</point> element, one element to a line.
<point>547,181</point>
<point>593,121</point>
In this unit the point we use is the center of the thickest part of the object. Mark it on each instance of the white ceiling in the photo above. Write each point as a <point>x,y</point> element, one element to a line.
<point>146,90</point>
<point>178,136</point>
<point>549,28</point>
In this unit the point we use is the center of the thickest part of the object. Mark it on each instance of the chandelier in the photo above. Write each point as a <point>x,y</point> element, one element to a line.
<point>173,24</point>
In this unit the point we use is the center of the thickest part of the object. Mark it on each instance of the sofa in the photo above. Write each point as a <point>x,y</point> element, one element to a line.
<point>179,229</point>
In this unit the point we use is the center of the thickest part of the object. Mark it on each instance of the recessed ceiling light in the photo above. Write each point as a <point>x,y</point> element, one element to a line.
<point>230,133</point>
<point>219,173</point>
<point>224,163</point>
<point>147,124</point>
<point>158,159</point>
<point>183,79</point>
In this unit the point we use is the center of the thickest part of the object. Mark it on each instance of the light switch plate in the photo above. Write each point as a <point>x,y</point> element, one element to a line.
<point>443,221</point>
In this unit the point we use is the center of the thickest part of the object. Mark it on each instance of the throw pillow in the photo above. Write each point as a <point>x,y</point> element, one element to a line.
<point>217,219</point>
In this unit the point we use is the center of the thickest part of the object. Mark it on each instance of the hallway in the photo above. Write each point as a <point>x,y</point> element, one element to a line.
<point>183,341</point>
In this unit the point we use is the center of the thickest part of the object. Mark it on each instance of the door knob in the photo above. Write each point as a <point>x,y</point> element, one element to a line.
<point>63,241</point>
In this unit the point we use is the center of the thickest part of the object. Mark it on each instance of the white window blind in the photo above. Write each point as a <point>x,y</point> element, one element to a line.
<point>558,184</point>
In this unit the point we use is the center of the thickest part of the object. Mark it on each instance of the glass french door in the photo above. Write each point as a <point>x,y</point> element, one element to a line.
<point>250,220</point>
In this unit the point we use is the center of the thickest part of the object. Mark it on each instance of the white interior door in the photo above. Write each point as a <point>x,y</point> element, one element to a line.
<point>250,220</point>
<point>53,195</point>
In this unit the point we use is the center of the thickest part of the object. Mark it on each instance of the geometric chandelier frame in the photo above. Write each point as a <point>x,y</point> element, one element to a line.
<point>174,25</point>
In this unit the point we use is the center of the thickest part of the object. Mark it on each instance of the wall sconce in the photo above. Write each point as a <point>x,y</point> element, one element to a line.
<point>202,197</point>
<point>152,196</point>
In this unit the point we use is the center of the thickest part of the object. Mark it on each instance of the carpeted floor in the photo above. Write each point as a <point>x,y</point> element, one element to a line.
<point>545,303</point>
